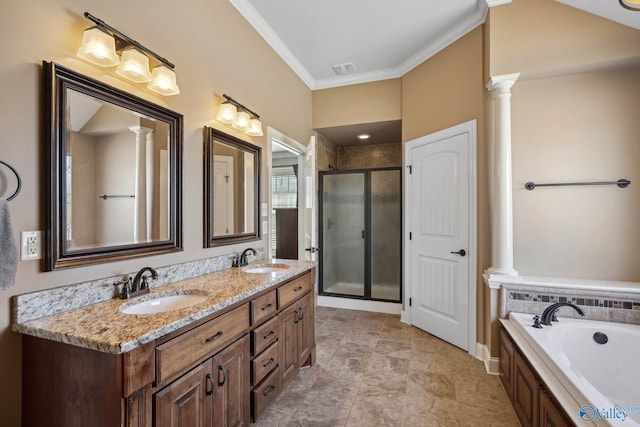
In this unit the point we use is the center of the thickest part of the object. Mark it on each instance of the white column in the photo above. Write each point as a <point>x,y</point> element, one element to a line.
<point>502,197</point>
<point>140,211</point>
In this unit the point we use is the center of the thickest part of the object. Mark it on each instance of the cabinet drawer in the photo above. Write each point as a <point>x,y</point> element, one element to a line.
<point>265,393</point>
<point>264,335</point>
<point>264,363</point>
<point>293,290</point>
<point>263,307</point>
<point>189,348</point>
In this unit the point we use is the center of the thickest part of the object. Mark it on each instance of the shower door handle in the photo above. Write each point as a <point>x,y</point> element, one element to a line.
<point>363,234</point>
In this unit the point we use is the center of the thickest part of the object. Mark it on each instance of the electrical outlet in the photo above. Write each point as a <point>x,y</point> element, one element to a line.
<point>31,245</point>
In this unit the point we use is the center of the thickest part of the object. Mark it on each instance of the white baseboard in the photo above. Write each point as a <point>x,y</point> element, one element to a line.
<point>405,317</point>
<point>491,364</point>
<point>357,304</point>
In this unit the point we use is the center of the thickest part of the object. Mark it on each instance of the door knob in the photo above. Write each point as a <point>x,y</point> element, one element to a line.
<point>312,249</point>
<point>461,252</point>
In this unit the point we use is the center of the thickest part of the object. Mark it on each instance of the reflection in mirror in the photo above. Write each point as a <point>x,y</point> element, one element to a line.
<point>231,189</point>
<point>117,175</point>
<point>114,186</point>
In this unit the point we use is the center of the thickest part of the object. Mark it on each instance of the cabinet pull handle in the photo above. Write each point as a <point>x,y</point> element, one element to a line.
<point>269,390</point>
<point>301,313</point>
<point>296,316</point>
<point>222,370</point>
<point>266,307</point>
<point>215,337</point>
<point>297,289</point>
<point>269,335</point>
<point>269,363</point>
<point>209,385</point>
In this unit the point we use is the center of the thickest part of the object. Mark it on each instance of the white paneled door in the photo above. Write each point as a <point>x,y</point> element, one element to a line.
<point>440,248</point>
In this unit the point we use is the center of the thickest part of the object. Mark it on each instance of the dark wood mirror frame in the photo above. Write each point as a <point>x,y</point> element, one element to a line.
<point>57,80</point>
<point>210,137</point>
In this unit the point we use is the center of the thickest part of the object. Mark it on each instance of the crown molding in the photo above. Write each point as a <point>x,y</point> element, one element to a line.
<point>260,25</point>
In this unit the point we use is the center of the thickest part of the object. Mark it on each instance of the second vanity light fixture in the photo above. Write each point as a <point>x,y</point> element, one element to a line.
<point>240,117</point>
<point>100,45</point>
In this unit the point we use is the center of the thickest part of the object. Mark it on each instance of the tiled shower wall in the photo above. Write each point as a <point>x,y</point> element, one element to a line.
<point>369,156</point>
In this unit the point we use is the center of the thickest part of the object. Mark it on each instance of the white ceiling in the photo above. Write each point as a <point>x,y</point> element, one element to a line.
<point>382,38</point>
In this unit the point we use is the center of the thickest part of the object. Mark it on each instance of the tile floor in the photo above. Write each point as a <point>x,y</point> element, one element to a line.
<point>374,371</point>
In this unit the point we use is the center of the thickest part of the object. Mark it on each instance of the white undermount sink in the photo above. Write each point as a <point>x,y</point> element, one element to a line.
<point>266,268</point>
<point>163,303</point>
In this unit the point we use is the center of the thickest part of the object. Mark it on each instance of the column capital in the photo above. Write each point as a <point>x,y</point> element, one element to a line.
<point>503,82</point>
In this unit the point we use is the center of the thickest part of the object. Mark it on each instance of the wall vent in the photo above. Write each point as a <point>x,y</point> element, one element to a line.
<point>346,68</point>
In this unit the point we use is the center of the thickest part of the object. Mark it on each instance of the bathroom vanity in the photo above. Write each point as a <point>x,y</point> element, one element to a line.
<point>217,363</point>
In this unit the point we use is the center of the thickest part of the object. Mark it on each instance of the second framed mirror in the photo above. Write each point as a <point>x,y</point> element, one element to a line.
<point>231,189</point>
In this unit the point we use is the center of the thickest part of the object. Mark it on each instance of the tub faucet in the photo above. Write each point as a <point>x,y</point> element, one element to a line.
<point>549,313</point>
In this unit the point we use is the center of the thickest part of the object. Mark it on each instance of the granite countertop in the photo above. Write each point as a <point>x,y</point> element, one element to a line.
<point>105,328</point>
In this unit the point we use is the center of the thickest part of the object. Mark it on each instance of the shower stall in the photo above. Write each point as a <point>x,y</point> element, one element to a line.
<point>361,234</point>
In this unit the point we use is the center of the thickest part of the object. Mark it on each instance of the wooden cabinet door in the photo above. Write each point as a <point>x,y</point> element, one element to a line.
<point>550,414</point>
<point>305,328</point>
<point>288,344</point>
<point>505,368</point>
<point>232,398</point>
<point>187,402</point>
<point>525,393</point>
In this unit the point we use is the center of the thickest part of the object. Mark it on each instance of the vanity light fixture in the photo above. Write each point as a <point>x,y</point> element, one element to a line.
<point>134,66</point>
<point>631,4</point>
<point>100,45</point>
<point>240,117</point>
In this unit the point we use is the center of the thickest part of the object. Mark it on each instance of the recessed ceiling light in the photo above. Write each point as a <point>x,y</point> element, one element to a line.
<point>364,136</point>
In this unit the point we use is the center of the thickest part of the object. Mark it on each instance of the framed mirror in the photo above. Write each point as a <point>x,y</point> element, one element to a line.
<point>113,180</point>
<point>231,188</point>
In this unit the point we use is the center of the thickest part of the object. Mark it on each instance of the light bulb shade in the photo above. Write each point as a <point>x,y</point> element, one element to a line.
<point>134,66</point>
<point>227,113</point>
<point>255,128</point>
<point>163,81</point>
<point>631,4</point>
<point>242,120</point>
<point>99,48</point>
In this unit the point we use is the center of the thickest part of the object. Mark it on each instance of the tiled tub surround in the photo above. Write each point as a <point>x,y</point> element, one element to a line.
<point>105,328</point>
<point>599,300</point>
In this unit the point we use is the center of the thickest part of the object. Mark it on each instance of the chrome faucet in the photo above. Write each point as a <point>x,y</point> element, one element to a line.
<point>242,259</point>
<point>549,313</point>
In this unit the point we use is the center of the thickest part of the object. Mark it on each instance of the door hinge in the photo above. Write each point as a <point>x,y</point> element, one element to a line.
<point>410,235</point>
<point>410,302</point>
<point>410,169</point>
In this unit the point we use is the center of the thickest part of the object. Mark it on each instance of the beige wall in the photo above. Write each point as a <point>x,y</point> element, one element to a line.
<point>582,127</point>
<point>571,125</point>
<point>215,52</point>
<point>444,91</point>
<point>363,103</point>
<point>574,118</point>
<point>540,38</point>
<point>369,156</point>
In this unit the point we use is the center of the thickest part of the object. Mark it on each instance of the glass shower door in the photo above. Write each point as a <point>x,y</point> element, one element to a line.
<point>386,230</point>
<point>343,238</point>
